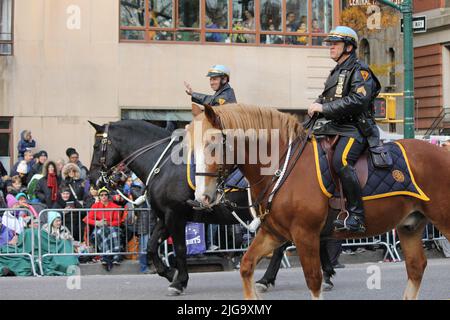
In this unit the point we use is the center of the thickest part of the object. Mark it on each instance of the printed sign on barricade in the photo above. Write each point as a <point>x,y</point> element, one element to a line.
<point>195,238</point>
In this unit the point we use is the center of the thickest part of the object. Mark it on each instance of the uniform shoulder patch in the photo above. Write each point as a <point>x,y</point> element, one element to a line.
<point>222,101</point>
<point>365,74</point>
<point>362,90</point>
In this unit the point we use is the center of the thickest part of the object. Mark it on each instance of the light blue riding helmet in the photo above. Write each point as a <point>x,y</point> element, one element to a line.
<point>345,34</point>
<point>219,70</point>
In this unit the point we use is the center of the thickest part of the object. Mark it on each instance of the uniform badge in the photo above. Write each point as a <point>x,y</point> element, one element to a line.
<point>362,90</point>
<point>222,101</point>
<point>340,85</point>
<point>365,74</point>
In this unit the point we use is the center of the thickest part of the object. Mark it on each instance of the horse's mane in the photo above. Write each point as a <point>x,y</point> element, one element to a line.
<point>141,125</point>
<point>241,116</point>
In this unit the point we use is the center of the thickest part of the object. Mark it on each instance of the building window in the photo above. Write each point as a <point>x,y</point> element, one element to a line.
<point>6,142</point>
<point>364,51</point>
<point>391,67</point>
<point>6,27</point>
<point>246,22</point>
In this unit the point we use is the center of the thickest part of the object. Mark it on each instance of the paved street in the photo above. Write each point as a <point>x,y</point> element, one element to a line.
<point>350,283</point>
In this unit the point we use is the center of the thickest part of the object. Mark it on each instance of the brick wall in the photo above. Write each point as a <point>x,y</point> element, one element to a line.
<point>428,84</point>
<point>424,5</point>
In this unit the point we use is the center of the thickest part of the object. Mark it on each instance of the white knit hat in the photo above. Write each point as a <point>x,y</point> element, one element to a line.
<point>22,167</point>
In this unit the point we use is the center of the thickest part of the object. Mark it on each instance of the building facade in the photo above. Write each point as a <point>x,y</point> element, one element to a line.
<point>71,61</point>
<point>432,67</point>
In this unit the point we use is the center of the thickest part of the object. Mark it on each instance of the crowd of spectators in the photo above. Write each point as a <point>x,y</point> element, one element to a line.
<point>36,182</point>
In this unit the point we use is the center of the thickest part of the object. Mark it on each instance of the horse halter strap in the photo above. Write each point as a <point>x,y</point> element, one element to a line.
<point>104,146</point>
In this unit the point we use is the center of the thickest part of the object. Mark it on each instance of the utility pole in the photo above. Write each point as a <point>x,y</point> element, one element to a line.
<point>406,9</point>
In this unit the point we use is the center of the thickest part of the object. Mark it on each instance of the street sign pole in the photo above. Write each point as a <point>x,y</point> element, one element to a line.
<point>406,9</point>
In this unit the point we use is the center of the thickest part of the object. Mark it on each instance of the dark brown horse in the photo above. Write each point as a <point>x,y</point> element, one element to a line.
<point>299,209</point>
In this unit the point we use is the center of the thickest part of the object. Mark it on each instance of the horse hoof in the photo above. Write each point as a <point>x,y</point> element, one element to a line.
<point>327,286</point>
<point>261,287</point>
<point>174,291</point>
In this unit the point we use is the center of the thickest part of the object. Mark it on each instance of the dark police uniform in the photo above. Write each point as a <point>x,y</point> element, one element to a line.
<point>347,100</point>
<point>222,96</point>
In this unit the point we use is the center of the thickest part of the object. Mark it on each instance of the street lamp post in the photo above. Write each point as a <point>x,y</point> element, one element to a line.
<point>407,11</point>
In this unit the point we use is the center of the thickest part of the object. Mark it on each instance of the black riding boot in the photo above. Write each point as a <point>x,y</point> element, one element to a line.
<point>353,193</point>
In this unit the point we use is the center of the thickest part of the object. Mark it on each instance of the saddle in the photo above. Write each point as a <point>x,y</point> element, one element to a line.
<point>328,144</point>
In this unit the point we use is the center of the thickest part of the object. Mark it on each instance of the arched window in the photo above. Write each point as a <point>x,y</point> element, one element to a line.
<point>364,51</point>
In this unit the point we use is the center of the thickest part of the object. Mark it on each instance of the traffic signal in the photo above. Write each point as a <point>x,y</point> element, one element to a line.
<point>385,107</point>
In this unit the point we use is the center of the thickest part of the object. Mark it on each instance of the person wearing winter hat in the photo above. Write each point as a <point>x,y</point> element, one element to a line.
<point>55,228</point>
<point>11,200</point>
<point>26,143</point>
<point>71,176</point>
<point>106,227</point>
<point>7,236</point>
<point>72,219</point>
<point>22,171</point>
<point>21,197</point>
<point>38,167</point>
<point>74,157</point>
<point>10,218</point>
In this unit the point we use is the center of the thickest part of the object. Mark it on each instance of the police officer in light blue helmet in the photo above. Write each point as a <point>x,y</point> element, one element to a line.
<point>219,78</point>
<point>346,35</point>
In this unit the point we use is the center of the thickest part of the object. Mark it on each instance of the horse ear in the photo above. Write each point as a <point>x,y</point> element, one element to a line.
<point>196,109</point>
<point>98,128</point>
<point>211,115</point>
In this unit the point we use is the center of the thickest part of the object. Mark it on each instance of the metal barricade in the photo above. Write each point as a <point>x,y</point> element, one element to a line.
<point>221,240</point>
<point>107,239</point>
<point>386,240</point>
<point>17,221</point>
<point>430,234</point>
<point>227,238</point>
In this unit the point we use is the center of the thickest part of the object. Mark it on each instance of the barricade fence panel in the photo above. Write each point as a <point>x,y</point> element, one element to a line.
<point>107,234</point>
<point>17,239</point>
<point>112,234</point>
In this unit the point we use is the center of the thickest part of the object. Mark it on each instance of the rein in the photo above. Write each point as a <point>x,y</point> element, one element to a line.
<point>104,171</point>
<point>280,175</point>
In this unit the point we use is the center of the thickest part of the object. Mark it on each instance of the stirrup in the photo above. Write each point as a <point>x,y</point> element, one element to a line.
<point>344,228</point>
<point>360,229</point>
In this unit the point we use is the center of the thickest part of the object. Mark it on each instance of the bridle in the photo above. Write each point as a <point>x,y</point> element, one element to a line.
<point>222,172</point>
<point>105,141</point>
<point>277,179</point>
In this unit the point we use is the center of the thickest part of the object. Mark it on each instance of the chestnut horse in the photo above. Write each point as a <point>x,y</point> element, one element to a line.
<point>299,210</point>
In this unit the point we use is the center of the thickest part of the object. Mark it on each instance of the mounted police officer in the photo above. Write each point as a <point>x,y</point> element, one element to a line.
<point>346,109</point>
<point>219,78</point>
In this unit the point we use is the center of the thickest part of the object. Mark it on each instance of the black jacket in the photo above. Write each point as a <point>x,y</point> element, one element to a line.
<point>347,100</point>
<point>222,96</point>
<point>77,186</point>
<point>35,169</point>
<point>44,193</point>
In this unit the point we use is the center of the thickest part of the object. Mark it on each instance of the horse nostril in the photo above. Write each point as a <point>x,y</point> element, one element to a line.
<point>206,199</point>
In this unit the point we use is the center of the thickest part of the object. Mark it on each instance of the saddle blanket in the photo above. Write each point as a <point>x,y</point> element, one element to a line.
<point>235,179</point>
<point>381,183</point>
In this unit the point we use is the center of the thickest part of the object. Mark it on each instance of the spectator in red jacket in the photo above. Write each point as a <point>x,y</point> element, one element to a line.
<point>106,228</point>
<point>104,218</point>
